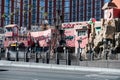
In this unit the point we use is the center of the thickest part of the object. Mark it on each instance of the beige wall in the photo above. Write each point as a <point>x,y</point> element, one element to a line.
<point>117,2</point>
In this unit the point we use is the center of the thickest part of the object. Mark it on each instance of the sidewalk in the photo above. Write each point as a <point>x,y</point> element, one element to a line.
<point>54,66</point>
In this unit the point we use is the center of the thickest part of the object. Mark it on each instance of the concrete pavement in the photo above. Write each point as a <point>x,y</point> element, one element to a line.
<point>22,73</point>
<point>54,66</point>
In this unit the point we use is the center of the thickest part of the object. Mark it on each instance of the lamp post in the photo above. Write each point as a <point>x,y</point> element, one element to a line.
<point>7,54</point>
<point>104,47</point>
<point>57,57</point>
<point>28,49</point>
<point>0,53</point>
<point>91,51</point>
<point>79,49</point>
<point>48,53</point>
<point>64,48</point>
<point>68,61</point>
<point>17,48</point>
<point>26,55</point>
<point>0,48</point>
<point>43,55</point>
<point>36,54</point>
<point>57,21</point>
<point>109,48</point>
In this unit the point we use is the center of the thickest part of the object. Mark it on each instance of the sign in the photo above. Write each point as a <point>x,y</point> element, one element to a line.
<point>108,14</point>
<point>23,30</point>
<point>13,44</point>
<point>68,25</point>
<point>72,25</point>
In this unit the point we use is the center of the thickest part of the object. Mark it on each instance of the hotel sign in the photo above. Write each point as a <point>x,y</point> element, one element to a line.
<point>68,25</point>
<point>72,25</point>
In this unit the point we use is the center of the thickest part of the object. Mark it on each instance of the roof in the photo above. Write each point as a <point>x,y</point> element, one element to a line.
<point>11,25</point>
<point>109,5</point>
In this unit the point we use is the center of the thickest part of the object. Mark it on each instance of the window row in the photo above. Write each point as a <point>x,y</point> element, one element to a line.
<point>82,32</point>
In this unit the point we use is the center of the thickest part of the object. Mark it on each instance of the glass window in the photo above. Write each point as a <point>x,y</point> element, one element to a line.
<point>9,29</point>
<point>81,18</point>
<point>7,11</point>
<point>82,32</point>
<point>59,4</point>
<point>0,3</point>
<point>81,8</point>
<point>42,2</point>
<point>67,3</point>
<point>50,3</point>
<point>67,10</point>
<point>81,1</point>
<point>34,10</point>
<point>66,16</point>
<point>89,2</point>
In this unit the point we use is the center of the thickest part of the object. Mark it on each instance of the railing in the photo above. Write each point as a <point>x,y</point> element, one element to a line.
<point>42,57</point>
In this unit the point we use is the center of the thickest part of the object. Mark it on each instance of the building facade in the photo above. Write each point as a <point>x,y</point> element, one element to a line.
<point>75,31</point>
<point>22,12</point>
<point>117,2</point>
<point>75,10</point>
<point>32,12</point>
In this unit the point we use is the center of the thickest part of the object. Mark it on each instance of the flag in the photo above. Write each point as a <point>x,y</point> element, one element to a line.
<point>23,30</point>
<point>30,10</point>
<point>41,8</point>
<point>24,11</point>
<point>45,14</point>
<point>12,14</point>
<point>91,21</point>
<point>4,15</point>
<point>30,6</point>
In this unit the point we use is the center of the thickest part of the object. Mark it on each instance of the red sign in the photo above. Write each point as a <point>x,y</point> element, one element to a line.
<point>68,25</point>
<point>72,25</point>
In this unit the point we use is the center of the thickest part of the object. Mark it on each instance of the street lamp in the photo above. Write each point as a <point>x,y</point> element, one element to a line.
<point>109,48</point>
<point>36,54</point>
<point>26,59</point>
<point>104,47</point>
<point>7,54</point>
<point>0,53</point>
<point>48,53</point>
<point>17,48</point>
<point>0,48</point>
<point>79,51</point>
<point>64,48</point>
<point>91,51</point>
<point>58,23</point>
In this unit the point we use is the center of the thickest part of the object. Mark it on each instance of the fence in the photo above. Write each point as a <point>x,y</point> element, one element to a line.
<point>89,63</point>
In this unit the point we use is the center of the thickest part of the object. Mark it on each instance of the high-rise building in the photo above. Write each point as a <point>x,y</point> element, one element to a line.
<point>32,12</point>
<point>22,12</point>
<point>75,10</point>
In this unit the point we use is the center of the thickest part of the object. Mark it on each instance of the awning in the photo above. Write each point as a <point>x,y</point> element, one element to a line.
<point>7,34</point>
<point>11,25</point>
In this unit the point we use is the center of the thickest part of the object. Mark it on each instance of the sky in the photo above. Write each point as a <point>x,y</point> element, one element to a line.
<point>107,0</point>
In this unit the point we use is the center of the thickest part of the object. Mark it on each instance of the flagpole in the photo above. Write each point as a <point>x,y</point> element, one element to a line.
<point>91,37</point>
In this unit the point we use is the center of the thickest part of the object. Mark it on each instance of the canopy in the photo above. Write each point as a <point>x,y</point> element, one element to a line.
<point>11,25</point>
<point>41,33</point>
<point>42,36</point>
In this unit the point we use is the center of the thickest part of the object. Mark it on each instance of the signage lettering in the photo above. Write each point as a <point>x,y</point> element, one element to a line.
<point>68,25</point>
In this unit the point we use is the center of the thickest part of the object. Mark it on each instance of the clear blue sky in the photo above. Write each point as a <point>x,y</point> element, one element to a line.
<point>107,0</point>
